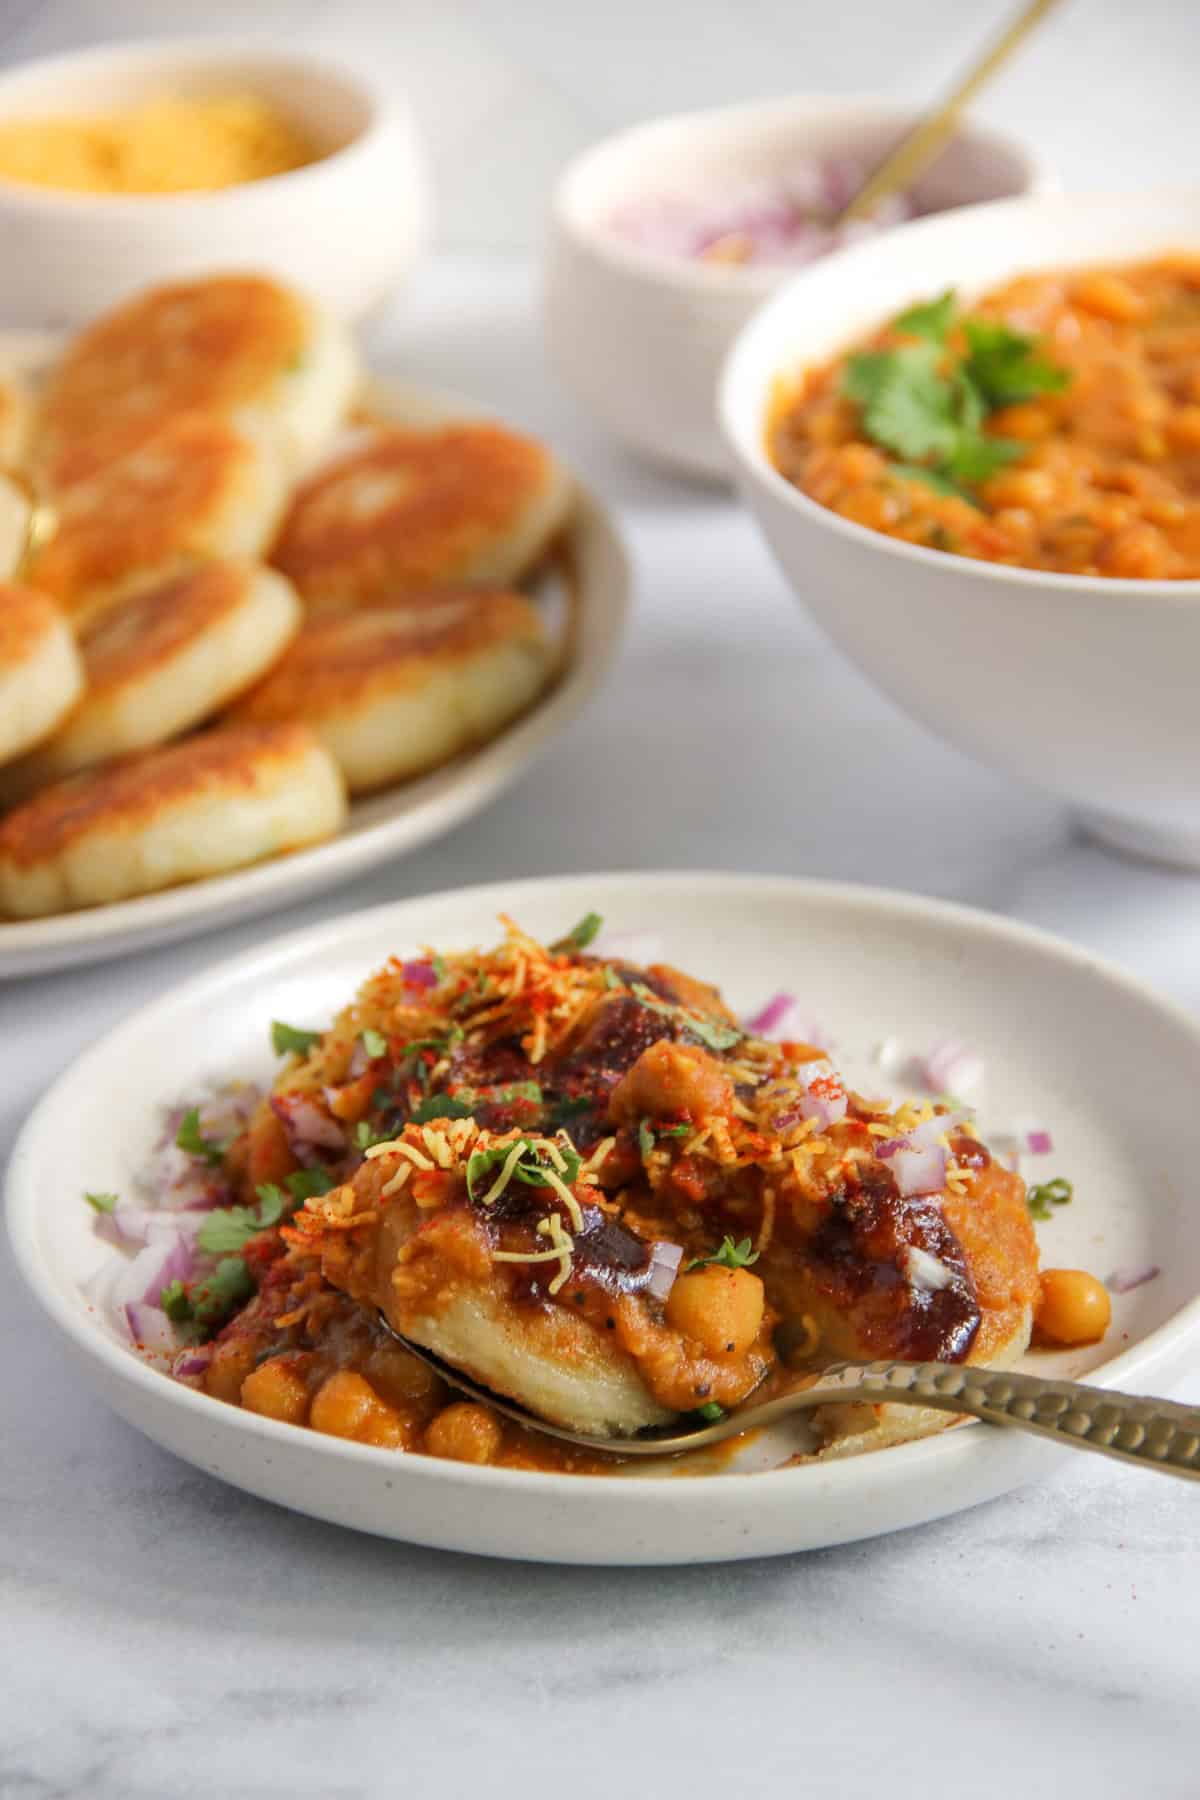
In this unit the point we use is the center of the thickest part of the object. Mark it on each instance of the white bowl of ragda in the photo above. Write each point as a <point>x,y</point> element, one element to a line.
<point>974,447</point>
<point>137,163</point>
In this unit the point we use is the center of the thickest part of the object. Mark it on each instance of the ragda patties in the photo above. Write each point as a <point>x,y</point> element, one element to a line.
<point>41,673</point>
<point>241,347</point>
<point>410,509</point>
<point>15,513</point>
<point>585,1185</point>
<point>397,690</point>
<point>16,419</point>
<point>198,489</point>
<point>212,803</point>
<point>163,661</point>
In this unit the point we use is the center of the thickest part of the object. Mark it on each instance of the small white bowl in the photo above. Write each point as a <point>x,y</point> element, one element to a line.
<point>346,229</point>
<point>639,337</point>
<point>1080,684</point>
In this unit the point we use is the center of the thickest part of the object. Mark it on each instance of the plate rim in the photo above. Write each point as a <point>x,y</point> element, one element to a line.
<point>921,1460</point>
<point>462,787</point>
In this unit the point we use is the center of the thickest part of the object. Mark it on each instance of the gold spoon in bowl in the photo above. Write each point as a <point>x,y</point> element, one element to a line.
<point>918,147</point>
<point>1157,1434</point>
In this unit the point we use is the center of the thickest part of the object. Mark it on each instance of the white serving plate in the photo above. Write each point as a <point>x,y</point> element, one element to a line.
<point>589,628</point>
<point>1070,1043</point>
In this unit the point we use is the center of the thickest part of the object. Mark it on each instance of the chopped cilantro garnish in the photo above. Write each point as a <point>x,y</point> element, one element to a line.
<point>366,1136</point>
<point>710,1412</point>
<point>1047,1194</point>
<point>176,1303</point>
<point>373,1042</point>
<point>579,936</point>
<point>302,1184</point>
<point>517,1090</point>
<point>570,1108</point>
<point>928,404</point>
<point>709,1031</point>
<point>229,1227</point>
<point>101,1203</point>
<point>218,1296</point>
<point>530,1167</point>
<point>189,1137</point>
<point>288,1038</point>
<point>645,1137</point>
<point>611,978</point>
<point>438,964</point>
<point>649,1134</point>
<point>729,1256</point>
<point>440,1106</point>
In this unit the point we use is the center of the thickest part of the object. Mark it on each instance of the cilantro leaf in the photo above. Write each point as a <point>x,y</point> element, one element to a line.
<point>645,1137</point>
<point>289,1038</point>
<point>941,484</point>
<point>729,1256</point>
<point>708,1031</point>
<point>302,1184</point>
<point>1004,365</point>
<point>176,1303</point>
<point>366,1136</point>
<point>570,1108</point>
<point>579,936</point>
<point>101,1203</point>
<point>189,1137</point>
<point>932,320</point>
<point>440,1106</point>
<point>218,1296</point>
<point>529,1167</point>
<point>611,978</point>
<point>373,1042</point>
<point>229,1227</point>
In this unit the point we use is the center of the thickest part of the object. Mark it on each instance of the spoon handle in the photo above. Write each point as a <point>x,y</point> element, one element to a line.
<point>1161,1434</point>
<point>918,147</point>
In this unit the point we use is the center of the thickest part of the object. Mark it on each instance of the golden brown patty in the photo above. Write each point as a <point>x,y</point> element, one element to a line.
<point>212,803</point>
<point>198,489</point>
<point>40,671</point>
<point>215,345</point>
<point>414,509</point>
<point>163,661</point>
<point>396,690</point>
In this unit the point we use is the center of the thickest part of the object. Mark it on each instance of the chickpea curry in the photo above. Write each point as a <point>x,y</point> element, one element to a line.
<point>1055,425</point>
<point>590,1188</point>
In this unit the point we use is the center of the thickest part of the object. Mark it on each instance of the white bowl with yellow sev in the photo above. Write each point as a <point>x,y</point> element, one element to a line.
<point>131,164</point>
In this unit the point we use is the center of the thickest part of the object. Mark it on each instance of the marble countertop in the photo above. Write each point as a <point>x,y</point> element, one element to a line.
<point>166,1635</point>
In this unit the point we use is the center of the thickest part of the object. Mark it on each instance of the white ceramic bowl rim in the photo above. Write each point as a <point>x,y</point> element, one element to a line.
<point>241,58</point>
<point>661,267</point>
<point>919,1460</point>
<point>744,429</point>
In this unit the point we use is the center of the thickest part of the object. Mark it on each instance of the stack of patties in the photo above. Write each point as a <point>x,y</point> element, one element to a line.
<point>179,445</point>
<point>164,445</point>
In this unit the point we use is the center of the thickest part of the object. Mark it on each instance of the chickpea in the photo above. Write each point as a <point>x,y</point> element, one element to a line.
<point>721,1309</point>
<point>464,1433</point>
<point>1072,1308</point>
<point>277,1390</point>
<point>343,1405</point>
<point>399,1377</point>
<point>230,1365</point>
<point>1109,297</point>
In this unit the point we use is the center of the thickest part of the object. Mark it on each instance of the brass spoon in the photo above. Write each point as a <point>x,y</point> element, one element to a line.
<point>1158,1434</point>
<point>918,147</point>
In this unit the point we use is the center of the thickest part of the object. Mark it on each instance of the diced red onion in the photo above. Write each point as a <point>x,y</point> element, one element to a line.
<point>951,1066</point>
<point>305,1124</point>
<point>192,1362</point>
<point>419,973</point>
<point>149,1326</point>
<point>772,1017</point>
<point>359,1062</point>
<point>1123,1281</point>
<point>664,1267</point>
<point>929,1131</point>
<point>824,1101</point>
<point>129,1224</point>
<point>926,1271</point>
<point>919,1171</point>
<point>887,1147</point>
<point>1040,1143</point>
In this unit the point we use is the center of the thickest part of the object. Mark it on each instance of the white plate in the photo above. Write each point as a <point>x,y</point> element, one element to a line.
<point>1070,1043</point>
<point>384,825</point>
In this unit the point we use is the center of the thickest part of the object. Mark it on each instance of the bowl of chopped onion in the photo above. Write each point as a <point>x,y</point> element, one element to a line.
<point>132,164</point>
<point>973,447</point>
<point>666,238</point>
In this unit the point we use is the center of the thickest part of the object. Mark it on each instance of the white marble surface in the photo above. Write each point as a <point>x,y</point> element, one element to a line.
<point>163,1635</point>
